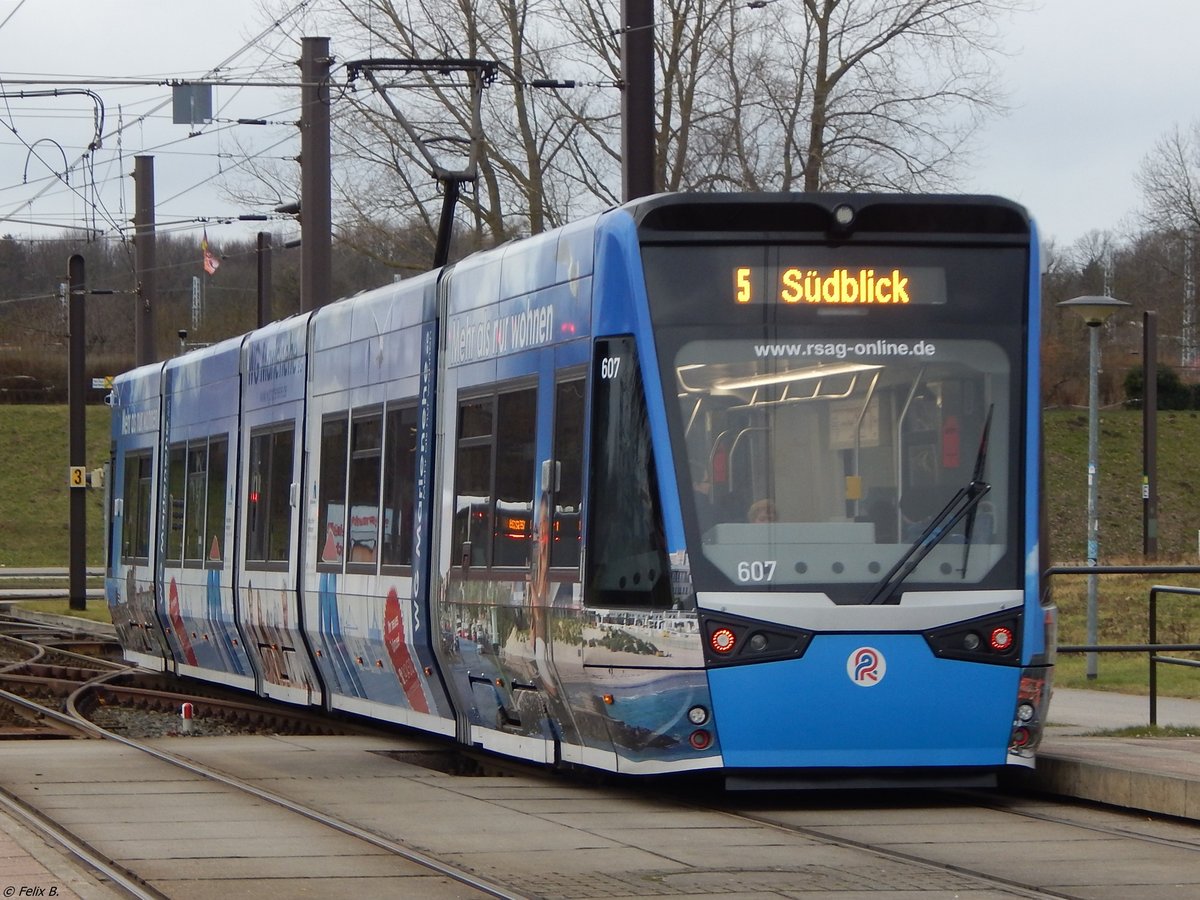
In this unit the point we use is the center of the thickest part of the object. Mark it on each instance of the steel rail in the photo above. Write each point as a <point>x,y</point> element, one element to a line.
<point>75,718</point>
<point>56,835</point>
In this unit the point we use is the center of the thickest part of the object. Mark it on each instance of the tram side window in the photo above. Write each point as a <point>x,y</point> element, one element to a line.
<point>568,455</point>
<point>331,495</point>
<point>269,510</point>
<point>195,505</point>
<point>362,527</point>
<point>494,476</point>
<point>627,563</point>
<point>473,482</point>
<point>135,530</point>
<point>515,436</point>
<point>196,484</point>
<point>213,550</point>
<point>399,477</point>
<point>176,482</point>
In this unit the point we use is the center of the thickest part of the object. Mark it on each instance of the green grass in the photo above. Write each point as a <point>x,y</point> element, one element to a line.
<point>1122,601</point>
<point>34,524</point>
<point>1119,488</point>
<point>1148,731</point>
<point>34,504</point>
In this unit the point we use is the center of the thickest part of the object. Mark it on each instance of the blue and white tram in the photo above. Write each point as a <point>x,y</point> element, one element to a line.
<point>736,482</point>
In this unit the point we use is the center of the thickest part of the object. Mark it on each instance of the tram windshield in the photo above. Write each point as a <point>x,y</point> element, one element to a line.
<point>847,455</point>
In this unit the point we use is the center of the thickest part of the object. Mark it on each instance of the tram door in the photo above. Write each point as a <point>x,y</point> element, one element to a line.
<point>508,534</point>
<point>134,518</point>
<point>273,408</point>
<point>488,620</point>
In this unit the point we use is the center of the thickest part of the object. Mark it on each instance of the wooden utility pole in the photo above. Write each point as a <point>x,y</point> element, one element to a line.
<point>76,441</point>
<point>145,261</point>
<point>316,254</point>
<point>264,278</point>
<point>637,98</point>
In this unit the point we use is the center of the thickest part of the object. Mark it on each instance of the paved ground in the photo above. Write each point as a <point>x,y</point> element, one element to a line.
<point>565,838</point>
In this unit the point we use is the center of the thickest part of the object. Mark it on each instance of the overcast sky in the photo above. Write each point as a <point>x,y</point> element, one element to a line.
<point>1092,86</point>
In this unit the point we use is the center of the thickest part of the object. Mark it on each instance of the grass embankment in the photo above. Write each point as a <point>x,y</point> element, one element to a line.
<point>35,498</point>
<point>1123,599</point>
<point>34,524</point>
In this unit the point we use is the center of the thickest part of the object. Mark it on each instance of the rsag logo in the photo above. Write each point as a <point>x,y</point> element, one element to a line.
<point>866,667</point>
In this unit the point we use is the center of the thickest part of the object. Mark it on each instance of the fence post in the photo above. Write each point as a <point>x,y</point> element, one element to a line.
<point>1153,662</point>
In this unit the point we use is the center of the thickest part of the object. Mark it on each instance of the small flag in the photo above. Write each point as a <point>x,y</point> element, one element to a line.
<point>211,263</point>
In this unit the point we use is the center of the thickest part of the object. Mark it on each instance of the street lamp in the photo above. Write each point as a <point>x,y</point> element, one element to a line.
<point>1095,311</point>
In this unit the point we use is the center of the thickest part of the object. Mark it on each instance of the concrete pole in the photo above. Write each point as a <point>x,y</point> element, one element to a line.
<point>1150,435</point>
<point>1093,525</point>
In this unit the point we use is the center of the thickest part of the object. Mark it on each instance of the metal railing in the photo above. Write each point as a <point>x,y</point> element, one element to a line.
<point>1155,659</point>
<point>1152,647</point>
<point>50,575</point>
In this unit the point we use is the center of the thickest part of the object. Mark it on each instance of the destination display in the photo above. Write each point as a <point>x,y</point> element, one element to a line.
<point>839,286</point>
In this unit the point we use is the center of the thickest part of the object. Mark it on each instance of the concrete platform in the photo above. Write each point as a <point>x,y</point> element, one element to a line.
<point>1156,775</point>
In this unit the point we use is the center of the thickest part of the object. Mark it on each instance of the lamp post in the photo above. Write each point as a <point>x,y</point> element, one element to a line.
<point>1095,311</point>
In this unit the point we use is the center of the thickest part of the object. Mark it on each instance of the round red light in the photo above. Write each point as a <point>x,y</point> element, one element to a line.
<point>1002,639</point>
<point>723,640</point>
<point>1020,737</point>
<point>700,739</point>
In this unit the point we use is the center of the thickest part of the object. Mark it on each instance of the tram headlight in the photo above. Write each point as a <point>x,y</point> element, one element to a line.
<point>697,715</point>
<point>971,641</point>
<point>1025,712</point>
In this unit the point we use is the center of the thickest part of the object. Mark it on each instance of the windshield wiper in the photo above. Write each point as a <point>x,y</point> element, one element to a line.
<point>976,478</point>
<point>961,505</point>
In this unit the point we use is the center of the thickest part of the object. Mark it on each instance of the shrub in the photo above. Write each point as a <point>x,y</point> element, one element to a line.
<point>1172,392</point>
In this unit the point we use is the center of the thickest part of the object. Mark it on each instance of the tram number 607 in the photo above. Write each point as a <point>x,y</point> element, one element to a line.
<point>756,571</point>
<point>609,366</point>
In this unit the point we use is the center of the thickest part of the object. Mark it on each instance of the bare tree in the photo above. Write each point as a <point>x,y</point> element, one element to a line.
<point>529,162</point>
<point>896,88</point>
<point>1169,179</point>
<point>766,95</point>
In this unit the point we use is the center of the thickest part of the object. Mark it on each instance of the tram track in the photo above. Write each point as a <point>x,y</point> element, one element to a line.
<point>1089,819</point>
<point>985,878</point>
<point>1190,844</point>
<point>939,841</point>
<point>57,836</point>
<point>125,873</point>
<point>82,690</point>
<point>798,817</point>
